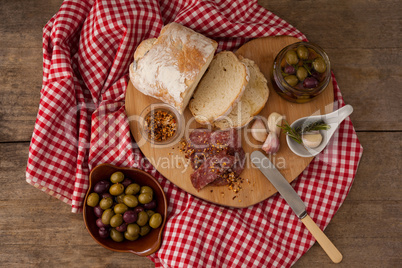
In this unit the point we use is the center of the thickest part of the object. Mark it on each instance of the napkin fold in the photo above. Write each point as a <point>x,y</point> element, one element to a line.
<point>81,122</point>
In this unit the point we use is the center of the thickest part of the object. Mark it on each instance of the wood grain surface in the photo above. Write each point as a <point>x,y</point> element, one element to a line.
<point>172,164</point>
<point>363,40</point>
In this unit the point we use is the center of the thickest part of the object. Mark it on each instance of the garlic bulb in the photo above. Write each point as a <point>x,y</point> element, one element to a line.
<point>271,144</point>
<point>312,139</point>
<point>258,130</point>
<point>275,119</point>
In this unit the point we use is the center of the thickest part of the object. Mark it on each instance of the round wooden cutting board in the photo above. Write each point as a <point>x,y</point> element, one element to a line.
<point>172,164</point>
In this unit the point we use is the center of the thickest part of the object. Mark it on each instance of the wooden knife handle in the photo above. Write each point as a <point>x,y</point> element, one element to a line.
<point>322,239</point>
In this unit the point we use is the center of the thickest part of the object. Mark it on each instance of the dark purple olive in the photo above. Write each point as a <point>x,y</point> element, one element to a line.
<point>122,227</point>
<point>130,216</point>
<point>138,209</point>
<point>150,205</point>
<point>289,69</point>
<point>310,82</point>
<point>106,195</point>
<point>100,224</point>
<point>102,187</point>
<point>104,232</point>
<point>98,211</point>
<point>126,182</point>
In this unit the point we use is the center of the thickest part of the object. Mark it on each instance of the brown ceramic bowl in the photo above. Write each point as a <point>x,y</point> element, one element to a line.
<point>145,245</point>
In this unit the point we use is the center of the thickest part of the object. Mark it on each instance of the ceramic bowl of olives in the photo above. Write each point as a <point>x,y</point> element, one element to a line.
<point>301,72</point>
<point>125,209</point>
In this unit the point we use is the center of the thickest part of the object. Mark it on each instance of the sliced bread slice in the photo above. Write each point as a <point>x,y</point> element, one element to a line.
<point>251,103</point>
<point>220,88</point>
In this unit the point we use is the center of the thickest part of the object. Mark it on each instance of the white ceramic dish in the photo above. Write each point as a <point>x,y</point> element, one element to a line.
<point>333,119</point>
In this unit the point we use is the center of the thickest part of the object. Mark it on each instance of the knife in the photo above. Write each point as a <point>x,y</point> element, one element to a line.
<point>294,201</point>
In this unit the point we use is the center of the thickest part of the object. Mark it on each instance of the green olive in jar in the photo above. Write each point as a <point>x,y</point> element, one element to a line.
<point>120,208</point>
<point>116,235</point>
<point>291,57</point>
<point>301,73</point>
<point>93,199</point>
<point>302,52</point>
<point>117,177</point>
<point>142,218</point>
<point>116,189</point>
<point>133,189</point>
<point>291,80</point>
<point>107,215</point>
<point>130,200</point>
<point>106,203</point>
<point>319,65</point>
<point>116,220</point>
<point>155,220</point>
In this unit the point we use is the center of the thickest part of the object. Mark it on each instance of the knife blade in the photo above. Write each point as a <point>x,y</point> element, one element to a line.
<point>294,201</point>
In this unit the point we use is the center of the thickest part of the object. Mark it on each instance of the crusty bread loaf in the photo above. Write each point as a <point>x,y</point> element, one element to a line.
<point>169,68</point>
<point>252,102</point>
<point>220,88</point>
<point>143,48</point>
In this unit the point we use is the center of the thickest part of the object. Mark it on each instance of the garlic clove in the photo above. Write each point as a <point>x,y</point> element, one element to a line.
<point>275,119</point>
<point>259,131</point>
<point>271,144</point>
<point>312,139</point>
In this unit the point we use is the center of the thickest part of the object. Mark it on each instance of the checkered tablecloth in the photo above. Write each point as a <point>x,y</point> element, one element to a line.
<point>81,122</point>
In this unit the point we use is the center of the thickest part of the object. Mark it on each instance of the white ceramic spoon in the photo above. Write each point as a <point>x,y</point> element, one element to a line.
<point>333,119</point>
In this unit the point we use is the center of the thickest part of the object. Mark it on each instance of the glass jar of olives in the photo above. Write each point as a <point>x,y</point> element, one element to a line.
<point>301,72</point>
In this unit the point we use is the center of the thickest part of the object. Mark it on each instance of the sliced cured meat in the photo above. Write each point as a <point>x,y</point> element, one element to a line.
<point>204,143</point>
<point>211,169</point>
<point>214,155</point>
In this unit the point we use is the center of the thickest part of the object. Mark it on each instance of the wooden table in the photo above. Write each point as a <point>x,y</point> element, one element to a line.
<point>363,40</point>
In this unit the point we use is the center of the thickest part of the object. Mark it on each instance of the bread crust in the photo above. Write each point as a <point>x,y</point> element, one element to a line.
<point>169,68</point>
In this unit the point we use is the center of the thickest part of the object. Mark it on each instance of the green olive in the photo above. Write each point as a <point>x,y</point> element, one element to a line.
<point>145,230</point>
<point>133,229</point>
<point>291,57</point>
<point>150,213</point>
<point>145,198</point>
<point>120,208</point>
<point>116,189</point>
<point>155,220</point>
<point>301,73</point>
<point>107,215</point>
<point>117,177</point>
<point>93,199</point>
<point>116,220</point>
<point>116,235</point>
<point>130,200</point>
<point>142,218</point>
<point>132,189</point>
<point>130,237</point>
<point>291,80</point>
<point>120,198</point>
<point>106,203</point>
<point>319,65</point>
<point>146,189</point>
<point>302,52</point>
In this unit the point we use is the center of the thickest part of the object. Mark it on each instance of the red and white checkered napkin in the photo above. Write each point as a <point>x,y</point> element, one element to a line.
<point>87,49</point>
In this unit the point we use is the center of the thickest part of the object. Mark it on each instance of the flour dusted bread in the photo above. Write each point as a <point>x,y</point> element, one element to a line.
<point>220,88</point>
<point>169,67</point>
<point>251,103</point>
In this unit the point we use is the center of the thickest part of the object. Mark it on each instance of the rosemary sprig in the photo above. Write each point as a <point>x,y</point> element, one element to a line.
<point>296,133</point>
